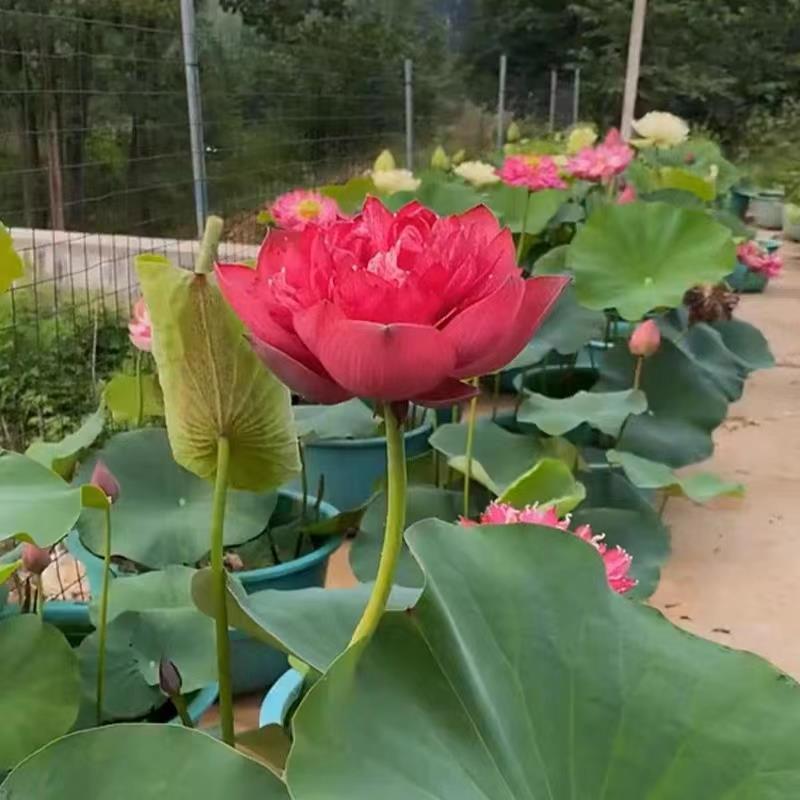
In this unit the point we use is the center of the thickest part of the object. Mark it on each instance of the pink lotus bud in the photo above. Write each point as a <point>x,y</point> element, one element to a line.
<point>627,195</point>
<point>35,559</point>
<point>169,678</point>
<point>104,480</point>
<point>645,339</point>
<point>140,328</point>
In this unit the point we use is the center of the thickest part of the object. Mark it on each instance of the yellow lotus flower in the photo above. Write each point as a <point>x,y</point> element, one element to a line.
<point>478,173</point>
<point>660,129</point>
<point>384,162</point>
<point>439,159</point>
<point>390,181</point>
<point>579,138</point>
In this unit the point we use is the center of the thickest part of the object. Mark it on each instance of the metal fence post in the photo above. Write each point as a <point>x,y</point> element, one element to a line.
<point>409,91</point>
<point>551,120</point>
<point>576,95</point>
<point>501,101</point>
<point>195,107</point>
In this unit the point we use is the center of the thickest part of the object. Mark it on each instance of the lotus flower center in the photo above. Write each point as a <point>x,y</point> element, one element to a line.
<point>531,161</point>
<point>308,209</point>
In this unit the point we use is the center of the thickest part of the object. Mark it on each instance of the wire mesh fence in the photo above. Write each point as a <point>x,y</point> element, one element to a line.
<point>96,163</point>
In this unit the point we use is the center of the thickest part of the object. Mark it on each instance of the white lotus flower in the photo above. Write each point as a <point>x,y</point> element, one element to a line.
<point>661,129</point>
<point>390,181</point>
<point>478,173</point>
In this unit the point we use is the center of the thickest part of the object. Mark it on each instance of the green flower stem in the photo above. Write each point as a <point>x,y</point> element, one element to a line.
<point>103,626</point>
<point>495,394</point>
<point>39,602</point>
<point>395,525</point>
<point>473,405</point>
<point>208,246</point>
<point>179,701</point>
<point>303,480</point>
<point>139,391</point>
<point>219,583</point>
<point>637,375</point>
<point>521,241</point>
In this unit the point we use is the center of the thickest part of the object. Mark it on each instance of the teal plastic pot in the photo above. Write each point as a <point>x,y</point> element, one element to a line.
<point>353,467</point>
<point>254,665</point>
<point>744,280</point>
<point>738,202</point>
<point>199,704</point>
<point>71,618</point>
<point>280,698</point>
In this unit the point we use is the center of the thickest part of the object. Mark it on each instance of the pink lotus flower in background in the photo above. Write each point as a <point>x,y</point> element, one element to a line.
<point>757,259</point>
<point>627,195</point>
<point>35,559</point>
<point>140,329</point>
<point>391,307</point>
<point>294,211</point>
<point>104,480</point>
<point>531,172</point>
<point>603,162</point>
<point>645,339</point>
<point>616,560</point>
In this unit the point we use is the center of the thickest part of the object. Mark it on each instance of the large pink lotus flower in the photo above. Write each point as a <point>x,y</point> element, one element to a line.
<point>393,307</point>
<point>603,162</point>
<point>140,329</point>
<point>295,210</point>
<point>757,259</point>
<point>616,560</point>
<point>531,172</point>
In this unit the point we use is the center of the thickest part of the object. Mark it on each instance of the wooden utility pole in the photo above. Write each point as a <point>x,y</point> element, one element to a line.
<point>634,62</point>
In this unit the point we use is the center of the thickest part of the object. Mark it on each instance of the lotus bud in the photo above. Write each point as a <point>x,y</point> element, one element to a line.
<point>35,559</point>
<point>384,162</point>
<point>458,157</point>
<point>169,679</point>
<point>104,480</point>
<point>439,159</point>
<point>513,133</point>
<point>645,339</point>
<point>580,138</point>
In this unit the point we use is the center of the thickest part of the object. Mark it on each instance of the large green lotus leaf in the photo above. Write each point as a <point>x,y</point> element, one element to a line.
<point>162,514</point>
<point>214,385</point>
<point>520,674</point>
<point>642,256</point>
<point>352,419</point>
<point>422,502</point>
<point>40,691</point>
<point>11,266</point>
<point>314,624</point>
<point>685,181</point>
<point>566,328</point>
<point>747,343</point>
<point>122,397</point>
<point>699,486</point>
<point>442,196</point>
<point>61,457</point>
<point>140,762</point>
<point>35,504</point>
<point>7,570</point>
<point>498,457</point>
<point>606,411</point>
<point>168,626</point>
<point>549,482</point>
<point>684,403</point>
<point>509,203</point>
<point>351,195</point>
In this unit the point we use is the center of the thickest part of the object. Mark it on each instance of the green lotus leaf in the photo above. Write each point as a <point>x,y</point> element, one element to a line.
<point>642,256</point>
<point>61,457</point>
<point>509,204</point>
<point>682,179</point>
<point>350,196</point>
<point>7,570</point>
<point>520,674</point>
<point>140,762</point>
<point>11,266</point>
<point>439,194</point>
<point>40,691</point>
<point>161,515</point>
<point>553,262</point>
<point>352,419</point>
<point>213,383</point>
<point>549,482</point>
<point>699,486</point>
<point>122,397</point>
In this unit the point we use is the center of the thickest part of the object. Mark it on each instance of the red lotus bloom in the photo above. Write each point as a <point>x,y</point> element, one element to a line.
<point>758,259</point>
<point>392,307</point>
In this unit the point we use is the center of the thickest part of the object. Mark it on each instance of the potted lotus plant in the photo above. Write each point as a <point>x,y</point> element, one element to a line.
<point>757,263</point>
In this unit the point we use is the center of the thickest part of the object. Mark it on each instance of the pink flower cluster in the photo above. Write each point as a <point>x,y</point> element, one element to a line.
<point>295,210</point>
<point>616,560</point>
<point>757,259</point>
<point>531,172</point>
<point>603,162</point>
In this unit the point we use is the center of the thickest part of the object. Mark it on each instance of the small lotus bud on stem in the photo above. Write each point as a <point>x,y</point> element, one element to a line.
<point>644,342</point>
<point>104,480</point>
<point>35,559</point>
<point>170,682</point>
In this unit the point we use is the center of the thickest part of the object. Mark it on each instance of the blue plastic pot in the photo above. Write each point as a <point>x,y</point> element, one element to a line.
<point>280,698</point>
<point>744,280</point>
<point>254,665</point>
<point>353,467</point>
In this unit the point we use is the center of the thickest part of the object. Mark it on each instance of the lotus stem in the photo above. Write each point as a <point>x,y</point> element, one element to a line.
<point>395,524</point>
<point>637,374</point>
<point>103,626</point>
<point>473,405</point>
<point>208,246</point>
<point>303,481</point>
<point>495,394</point>
<point>521,242</point>
<point>220,587</point>
<point>139,391</point>
<point>39,602</point>
<point>179,701</point>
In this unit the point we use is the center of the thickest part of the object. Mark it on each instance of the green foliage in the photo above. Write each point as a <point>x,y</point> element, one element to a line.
<point>10,262</point>
<point>548,483</point>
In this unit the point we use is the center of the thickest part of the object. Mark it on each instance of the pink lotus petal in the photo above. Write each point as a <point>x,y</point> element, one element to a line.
<point>448,393</point>
<point>104,480</point>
